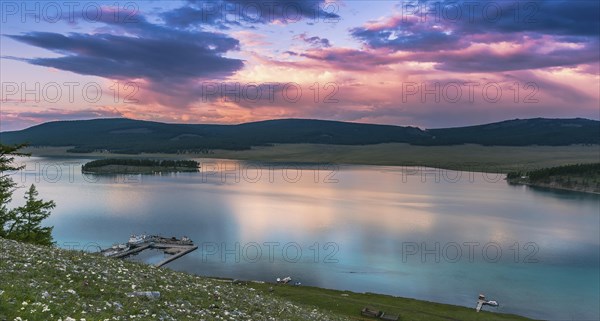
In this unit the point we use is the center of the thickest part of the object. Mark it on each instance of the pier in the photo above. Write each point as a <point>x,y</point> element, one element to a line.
<point>136,244</point>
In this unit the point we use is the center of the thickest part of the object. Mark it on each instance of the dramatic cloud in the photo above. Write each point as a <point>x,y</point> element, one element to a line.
<point>409,36</point>
<point>554,17</point>
<point>510,56</point>
<point>127,57</point>
<point>206,61</point>
<point>226,13</point>
<point>150,51</point>
<point>490,36</point>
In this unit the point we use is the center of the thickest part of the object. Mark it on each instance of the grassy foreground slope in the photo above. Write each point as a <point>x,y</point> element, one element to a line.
<point>45,283</point>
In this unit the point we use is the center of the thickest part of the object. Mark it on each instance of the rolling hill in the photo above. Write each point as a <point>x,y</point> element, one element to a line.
<point>522,132</point>
<point>122,135</point>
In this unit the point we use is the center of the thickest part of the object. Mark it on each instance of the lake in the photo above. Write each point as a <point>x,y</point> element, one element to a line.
<point>422,233</point>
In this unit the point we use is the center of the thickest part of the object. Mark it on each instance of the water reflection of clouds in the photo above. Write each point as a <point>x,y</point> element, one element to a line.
<point>369,212</point>
<point>303,207</point>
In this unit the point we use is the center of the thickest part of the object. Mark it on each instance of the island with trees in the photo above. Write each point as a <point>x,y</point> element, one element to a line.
<point>139,166</point>
<point>577,177</point>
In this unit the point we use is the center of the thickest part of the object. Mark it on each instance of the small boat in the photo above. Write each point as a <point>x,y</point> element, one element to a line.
<point>491,303</point>
<point>481,301</point>
<point>186,241</point>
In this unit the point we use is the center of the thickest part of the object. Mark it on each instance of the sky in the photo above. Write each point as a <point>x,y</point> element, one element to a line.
<point>431,64</point>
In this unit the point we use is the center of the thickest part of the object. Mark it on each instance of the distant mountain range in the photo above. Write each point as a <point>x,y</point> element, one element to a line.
<point>122,135</point>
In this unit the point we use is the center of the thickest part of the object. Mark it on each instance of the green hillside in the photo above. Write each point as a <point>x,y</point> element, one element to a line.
<point>522,132</point>
<point>135,136</point>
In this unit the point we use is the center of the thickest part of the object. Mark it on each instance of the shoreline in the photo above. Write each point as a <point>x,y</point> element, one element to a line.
<point>112,279</point>
<point>300,290</point>
<point>467,158</point>
<point>552,187</point>
<point>491,159</point>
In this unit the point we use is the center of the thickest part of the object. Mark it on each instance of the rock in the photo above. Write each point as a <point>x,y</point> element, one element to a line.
<point>118,305</point>
<point>148,294</point>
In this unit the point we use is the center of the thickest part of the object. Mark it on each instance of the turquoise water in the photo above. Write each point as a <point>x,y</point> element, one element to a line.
<point>389,230</point>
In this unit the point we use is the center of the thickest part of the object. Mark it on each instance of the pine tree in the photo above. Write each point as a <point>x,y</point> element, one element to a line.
<point>27,226</point>
<point>22,223</point>
<point>7,185</point>
<point>6,189</point>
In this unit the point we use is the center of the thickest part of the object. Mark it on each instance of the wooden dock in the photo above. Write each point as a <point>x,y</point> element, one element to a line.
<point>132,251</point>
<point>173,246</point>
<point>176,256</point>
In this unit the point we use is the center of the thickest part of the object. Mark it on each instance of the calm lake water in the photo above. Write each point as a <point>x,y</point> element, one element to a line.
<point>377,229</point>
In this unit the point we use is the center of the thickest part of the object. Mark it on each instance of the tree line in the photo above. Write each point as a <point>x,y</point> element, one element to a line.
<point>590,170</point>
<point>140,162</point>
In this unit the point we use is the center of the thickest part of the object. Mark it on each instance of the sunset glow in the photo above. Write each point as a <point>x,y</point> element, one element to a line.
<point>396,62</point>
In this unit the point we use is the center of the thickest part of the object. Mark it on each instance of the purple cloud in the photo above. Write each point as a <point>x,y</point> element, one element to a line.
<point>153,52</point>
<point>225,13</point>
<point>313,41</point>
<point>433,34</point>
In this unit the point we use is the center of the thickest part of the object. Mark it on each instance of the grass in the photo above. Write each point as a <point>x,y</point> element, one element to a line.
<point>347,304</point>
<point>46,283</point>
<point>494,159</point>
<point>497,159</point>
